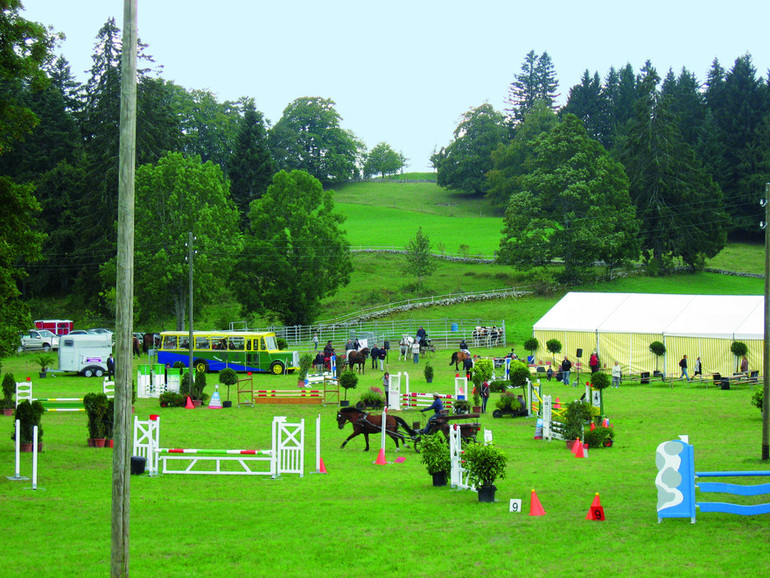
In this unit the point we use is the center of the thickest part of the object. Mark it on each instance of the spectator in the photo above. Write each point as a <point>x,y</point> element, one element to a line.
<point>566,366</point>
<point>683,365</point>
<point>383,353</point>
<point>745,364</point>
<point>416,351</point>
<point>484,396</point>
<point>593,362</point>
<point>616,375</point>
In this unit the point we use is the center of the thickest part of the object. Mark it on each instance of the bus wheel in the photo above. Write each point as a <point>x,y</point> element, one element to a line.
<point>201,366</point>
<point>276,368</point>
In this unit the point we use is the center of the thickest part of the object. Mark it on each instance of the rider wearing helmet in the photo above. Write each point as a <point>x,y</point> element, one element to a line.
<point>437,406</point>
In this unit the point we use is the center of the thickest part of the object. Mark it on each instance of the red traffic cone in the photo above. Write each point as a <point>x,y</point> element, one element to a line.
<point>575,446</point>
<point>557,403</point>
<point>381,458</point>
<point>322,470</point>
<point>596,511</point>
<point>593,426</point>
<point>189,403</point>
<point>579,453</point>
<point>535,507</point>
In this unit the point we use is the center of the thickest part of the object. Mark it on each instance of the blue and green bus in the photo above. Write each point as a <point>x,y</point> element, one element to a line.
<point>254,351</point>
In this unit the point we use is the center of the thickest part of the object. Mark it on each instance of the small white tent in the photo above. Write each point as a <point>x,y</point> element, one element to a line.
<point>621,326</point>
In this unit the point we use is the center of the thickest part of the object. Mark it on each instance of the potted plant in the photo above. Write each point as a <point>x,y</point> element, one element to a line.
<point>518,374</point>
<point>738,349</point>
<point>461,406</point>
<point>171,399</point>
<point>758,398</point>
<point>434,453</point>
<point>599,437</point>
<point>577,414</point>
<point>9,388</point>
<point>305,362</point>
<point>228,377</point>
<point>372,400</point>
<point>29,415</point>
<point>428,371</point>
<point>554,347</point>
<point>485,464</point>
<point>96,409</point>
<point>600,381</point>
<point>198,386</point>
<point>44,360</point>
<point>348,380</point>
<point>482,371</point>
<point>508,404</point>
<point>531,345</point>
<point>658,350</point>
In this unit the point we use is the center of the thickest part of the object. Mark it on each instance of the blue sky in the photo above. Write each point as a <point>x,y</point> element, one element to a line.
<point>404,72</point>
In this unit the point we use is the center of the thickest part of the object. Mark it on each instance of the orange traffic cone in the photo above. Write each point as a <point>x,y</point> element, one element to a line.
<point>322,470</point>
<point>579,453</point>
<point>381,458</point>
<point>189,403</point>
<point>557,403</point>
<point>535,507</point>
<point>593,426</point>
<point>575,446</point>
<point>596,511</point>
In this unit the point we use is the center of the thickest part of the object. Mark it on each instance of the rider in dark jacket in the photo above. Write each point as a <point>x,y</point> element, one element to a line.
<point>437,406</point>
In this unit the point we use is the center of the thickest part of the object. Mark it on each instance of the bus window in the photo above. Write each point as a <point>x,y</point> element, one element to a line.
<point>236,343</point>
<point>202,343</point>
<point>219,343</point>
<point>184,343</point>
<point>269,343</point>
<point>169,342</point>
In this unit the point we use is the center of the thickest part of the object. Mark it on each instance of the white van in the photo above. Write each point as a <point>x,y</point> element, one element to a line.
<point>85,354</point>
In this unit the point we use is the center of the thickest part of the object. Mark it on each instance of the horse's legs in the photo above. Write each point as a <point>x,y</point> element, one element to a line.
<point>366,437</point>
<point>350,437</point>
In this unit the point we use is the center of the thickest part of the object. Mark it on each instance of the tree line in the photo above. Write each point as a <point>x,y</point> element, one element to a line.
<point>632,165</point>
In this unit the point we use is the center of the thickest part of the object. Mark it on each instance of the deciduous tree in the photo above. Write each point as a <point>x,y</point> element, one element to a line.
<point>419,260</point>
<point>383,160</point>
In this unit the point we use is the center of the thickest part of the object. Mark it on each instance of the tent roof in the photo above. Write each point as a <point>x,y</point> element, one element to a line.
<point>716,316</point>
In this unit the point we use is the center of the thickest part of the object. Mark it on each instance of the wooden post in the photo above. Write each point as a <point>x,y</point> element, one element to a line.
<point>121,490</point>
<point>766,343</point>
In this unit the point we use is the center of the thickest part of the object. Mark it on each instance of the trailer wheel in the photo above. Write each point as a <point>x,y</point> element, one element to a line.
<point>497,413</point>
<point>98,372</point>
<point>88,371</point>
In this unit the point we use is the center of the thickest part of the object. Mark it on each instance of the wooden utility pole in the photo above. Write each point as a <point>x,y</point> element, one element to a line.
<point>766,343</point>
<point>121,458</point>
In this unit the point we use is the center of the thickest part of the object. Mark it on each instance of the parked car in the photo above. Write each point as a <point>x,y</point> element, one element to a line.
<point>39,339</point>
<point>78,332</point>
<point>99,330</point>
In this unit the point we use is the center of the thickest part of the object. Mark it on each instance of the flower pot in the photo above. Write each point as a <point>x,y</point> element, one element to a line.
<point>196,403</point>
<point>42,374</point>
<point>344,403</point>
<point>109,443</point>
<point>8,411</point>
<point>487,493</point>
<point>25,447</point>
<point>439,479</point>
<point>476,409</point>
<point>227,403</point>
<point>429,380</point>
<point>99,442</point>
<point>90,442</point>
<point>570,444</point>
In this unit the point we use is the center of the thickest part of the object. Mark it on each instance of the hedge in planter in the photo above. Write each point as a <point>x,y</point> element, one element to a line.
<point>599,437</point>
<point>29,416</point>
<point>434,454</point>
<point>96,407</point>
<point>484,464</point>
<point>9,388</point>
<point>372,399</point>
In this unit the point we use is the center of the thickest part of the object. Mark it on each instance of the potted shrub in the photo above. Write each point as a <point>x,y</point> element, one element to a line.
<point>508,404</point>
<point>44,360</point>
<point>600,381</point>
<point>96,409</point>
<point>171,399</point>
<point>485,464</point>
<point>305,362</point>
<point>758,398</point>
<point>197,389</point>
<point>9,389</point>
<point>428,372</point>
<point>658,350</point>
<point>577,414</point>
<point>599,437</point>
<point>482,371</point>
<point>29,415</point>
<point>348,380</point>
<point>738,349</point>
<point>519,374</point>
<point>460,406</point>
<point>531,345</point>
<point>372,399</point>
<point>228,377</point>
<point>554,347</point>
<point>434,453</point>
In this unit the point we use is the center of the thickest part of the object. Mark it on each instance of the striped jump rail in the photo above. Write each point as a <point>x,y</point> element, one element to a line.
<point>299,396</point>
<point>424,399</point>
<point>214,452</point>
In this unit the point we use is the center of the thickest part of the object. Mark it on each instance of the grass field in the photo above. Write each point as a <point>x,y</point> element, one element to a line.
<point>362,519</point>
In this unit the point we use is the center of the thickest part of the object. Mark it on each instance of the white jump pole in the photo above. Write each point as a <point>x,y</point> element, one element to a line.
<point>17,476</point>
<point>34,458</point>
<point>320,468</point>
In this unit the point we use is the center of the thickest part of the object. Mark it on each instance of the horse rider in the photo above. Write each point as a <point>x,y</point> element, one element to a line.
<point>464,347</point>
<point>437,406</point>
<point>421,334</point>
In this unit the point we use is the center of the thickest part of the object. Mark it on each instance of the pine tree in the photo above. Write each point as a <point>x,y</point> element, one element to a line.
<point>589,103</point>
<point>536,82</point>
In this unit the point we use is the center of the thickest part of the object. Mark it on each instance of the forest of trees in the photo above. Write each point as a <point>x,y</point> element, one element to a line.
<point>696,157</point>
<point>662,168</point>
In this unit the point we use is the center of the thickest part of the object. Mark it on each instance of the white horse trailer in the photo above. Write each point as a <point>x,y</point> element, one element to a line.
<point>85,354</point>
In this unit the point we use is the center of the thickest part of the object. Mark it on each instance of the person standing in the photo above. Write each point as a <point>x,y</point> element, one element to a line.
<point>698,368</point>
<point>416,351</point>
<point>386,387</point>
<point>484,396</point>
<point>386,347</point>
<point>110,367</point>
<point>566,366</point>
<point>617,373</point>
<point>375,353</point>
<point>383,353</point>
<point>683,365</point>
<point>745,364</point>
<point>315,341</point>
<point>593,362</point>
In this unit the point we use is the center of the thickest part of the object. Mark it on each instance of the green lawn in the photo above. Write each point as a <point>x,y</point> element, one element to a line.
<point>361,519</point>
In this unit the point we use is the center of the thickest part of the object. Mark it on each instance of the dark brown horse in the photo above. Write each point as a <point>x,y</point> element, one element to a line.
<point>459,357</point>
<point>366,423</point>
<point>358,358</point>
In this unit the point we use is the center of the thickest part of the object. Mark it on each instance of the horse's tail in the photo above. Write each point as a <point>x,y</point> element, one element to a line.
<point>454,358</point>
<point>400,421</point>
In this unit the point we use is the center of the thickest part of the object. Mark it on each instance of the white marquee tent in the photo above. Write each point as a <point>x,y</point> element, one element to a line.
<point>621,326</point>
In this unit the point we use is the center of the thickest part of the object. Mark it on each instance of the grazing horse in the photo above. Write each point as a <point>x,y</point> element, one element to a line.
<point>358,358</point>
<point>366,423</point>
<point>459,357</point>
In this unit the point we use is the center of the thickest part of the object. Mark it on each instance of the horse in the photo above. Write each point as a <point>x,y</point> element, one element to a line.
<point>405,346</point>
<point>358,358</point>
<point>459,357</point>
<point>366,423</point>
